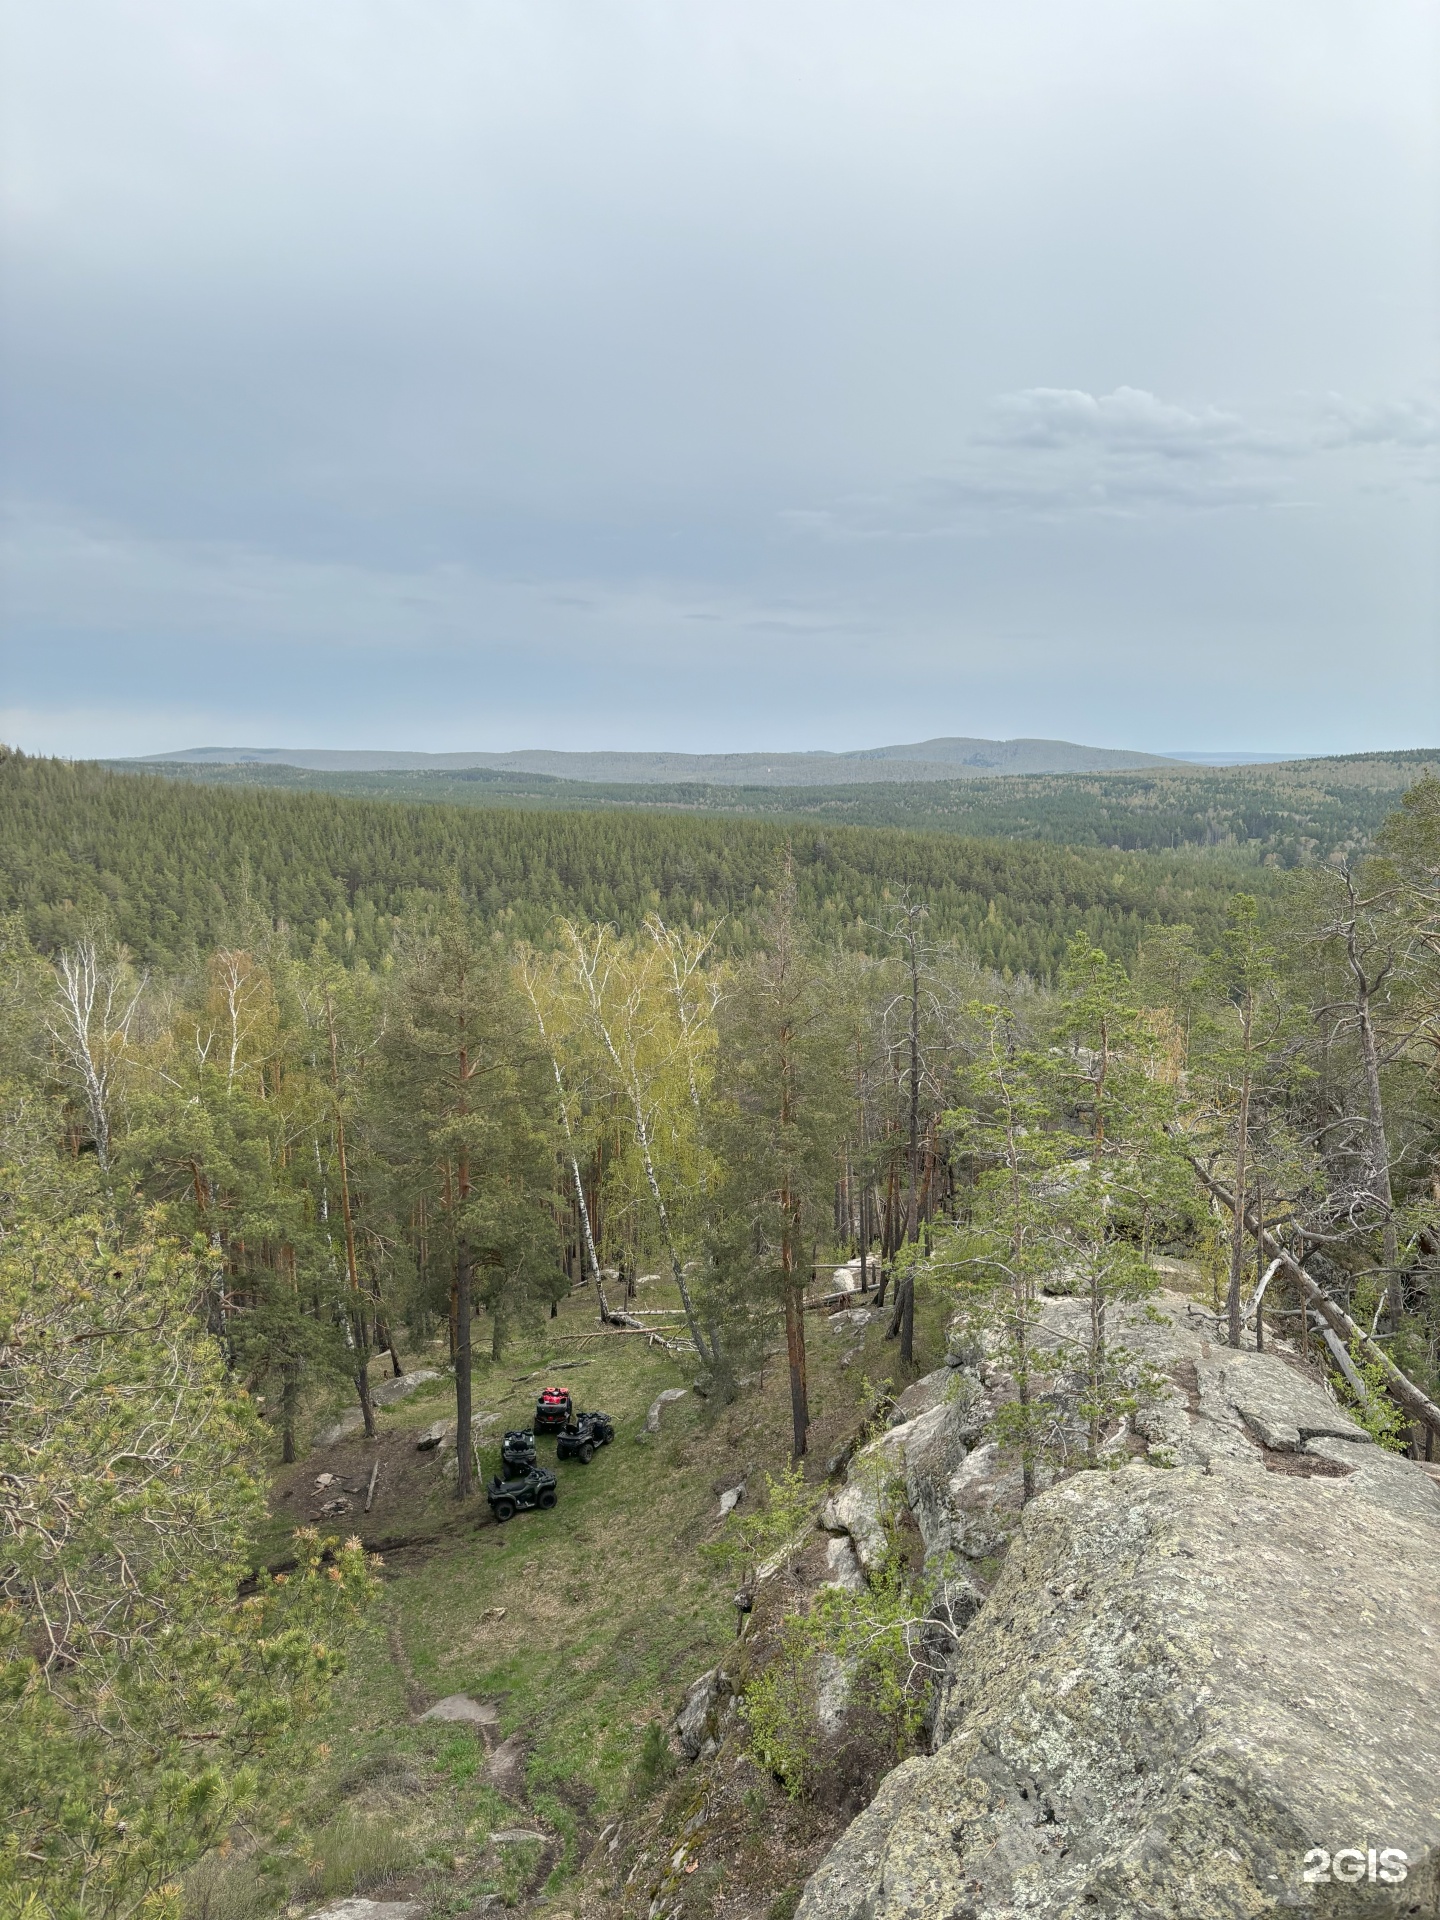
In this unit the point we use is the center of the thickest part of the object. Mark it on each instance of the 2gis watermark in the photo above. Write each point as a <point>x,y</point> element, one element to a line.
<point>1382,1866</point>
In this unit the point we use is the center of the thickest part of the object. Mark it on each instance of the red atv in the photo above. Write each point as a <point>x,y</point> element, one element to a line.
<point>552,1410</point>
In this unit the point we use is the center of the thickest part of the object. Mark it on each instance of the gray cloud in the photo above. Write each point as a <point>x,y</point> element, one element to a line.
<point>586,372</point>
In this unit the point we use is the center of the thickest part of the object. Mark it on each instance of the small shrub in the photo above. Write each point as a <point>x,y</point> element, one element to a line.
<point>747,1541</point>
<point>655,1762</point>
<point>1376,1412</point>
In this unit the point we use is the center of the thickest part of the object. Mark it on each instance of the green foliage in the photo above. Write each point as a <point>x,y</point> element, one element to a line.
<point>654,1762</point>
<point>1372,1407</point>
<point>869,1640</point>
<point>780,1121</point>
<point>142,1706</point>
<point>354,1852</point>
<point>466,1106</point>
<point>1374,1410</point>
<point>170,864</point>
<point>749,1540</point>
<point>1072,1161</point>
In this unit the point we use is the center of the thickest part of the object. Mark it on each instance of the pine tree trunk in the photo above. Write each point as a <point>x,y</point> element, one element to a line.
<point>362,1388</point>
<point>1022,1394</point>
<point>385,1340</point>
<point>795,1352</point>
<point>1379,1157</point>
<point>1242,1178</point>
<point>1259,1264</point>
<point>357,1307</point>
<point>464,1447</point>
<point>912,1209</point>
<point>289,1408</point>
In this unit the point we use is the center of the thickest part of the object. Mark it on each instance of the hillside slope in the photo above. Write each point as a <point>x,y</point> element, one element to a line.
<point>573,1633</point>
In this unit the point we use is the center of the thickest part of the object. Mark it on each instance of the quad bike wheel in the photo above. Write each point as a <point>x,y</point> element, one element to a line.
<point>505,1509</point>
<point>587,1454</point>
<point>546,1499</point>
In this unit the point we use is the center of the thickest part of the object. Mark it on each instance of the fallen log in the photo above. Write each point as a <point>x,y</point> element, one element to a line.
<point>1341,1357</point>
<point>622,1323</point>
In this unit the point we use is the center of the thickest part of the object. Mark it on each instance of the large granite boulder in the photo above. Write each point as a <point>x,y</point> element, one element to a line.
<point>1188,1684</point>
<point>384,1393</point>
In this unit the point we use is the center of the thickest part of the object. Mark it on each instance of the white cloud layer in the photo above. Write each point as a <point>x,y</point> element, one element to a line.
<point>590,372</point>
<point>1129,420</point>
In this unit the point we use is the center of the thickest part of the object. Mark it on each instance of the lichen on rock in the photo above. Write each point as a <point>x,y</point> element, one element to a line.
<point>1182,1680</point>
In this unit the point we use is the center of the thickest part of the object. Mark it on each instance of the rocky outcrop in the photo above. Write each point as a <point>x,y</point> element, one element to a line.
<point>698,1725</point>
<point>358,1908</point>
<point>440,1434</point>
<point>384,1393</point>
<point>911,1464</point>
<point>465,1711</point>
<point>842,1564</point>
<point>1194,1676</point>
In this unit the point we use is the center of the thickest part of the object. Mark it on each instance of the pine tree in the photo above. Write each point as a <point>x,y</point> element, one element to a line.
<point>477,1098</point>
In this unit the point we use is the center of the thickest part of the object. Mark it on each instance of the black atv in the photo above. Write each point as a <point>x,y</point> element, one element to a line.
<point>583,1435</point>
<point>517,1454</point>
<point>552,1410</point>
<point>530,1490</point>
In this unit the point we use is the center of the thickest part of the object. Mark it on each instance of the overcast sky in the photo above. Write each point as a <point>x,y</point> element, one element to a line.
<point>719,374</point>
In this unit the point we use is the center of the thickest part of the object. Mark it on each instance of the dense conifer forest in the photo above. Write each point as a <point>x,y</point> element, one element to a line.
<point>169,862</point>
<point>1288,813</point>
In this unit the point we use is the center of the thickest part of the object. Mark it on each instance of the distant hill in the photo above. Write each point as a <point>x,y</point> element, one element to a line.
<point>938,759</point>
<point>1286,813</point>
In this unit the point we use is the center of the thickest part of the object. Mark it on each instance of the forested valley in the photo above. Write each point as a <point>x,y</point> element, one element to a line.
<point>1287,813</point>
<point>308,1101</point>
<point>170,865</point>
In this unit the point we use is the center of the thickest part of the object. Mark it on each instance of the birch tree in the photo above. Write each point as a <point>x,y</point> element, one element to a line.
<point>538,978</point>
<point>656,1054</point>
<point>92,1013</point>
